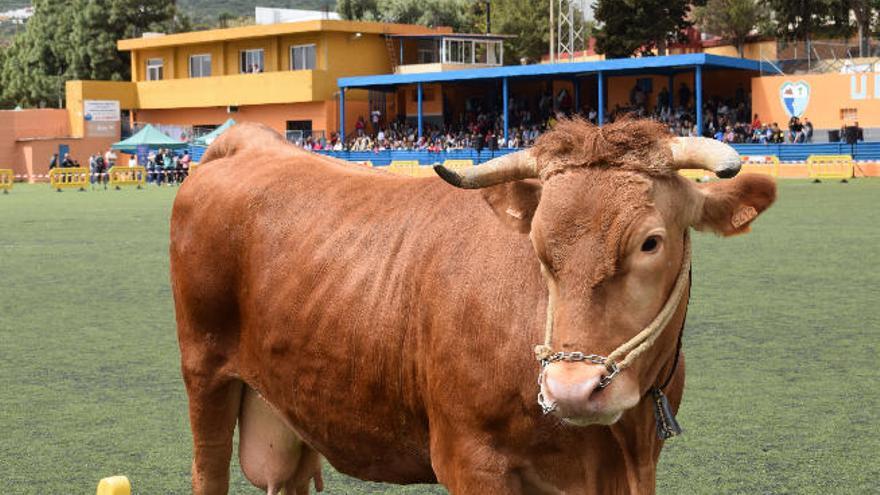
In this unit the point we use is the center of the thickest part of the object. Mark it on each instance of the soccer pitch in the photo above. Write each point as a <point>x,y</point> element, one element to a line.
<point>782,340</point>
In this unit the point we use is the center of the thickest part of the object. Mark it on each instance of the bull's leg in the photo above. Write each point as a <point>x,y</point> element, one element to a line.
<point>466,466</point>
<point>271,454</point>
<point>213,409</point>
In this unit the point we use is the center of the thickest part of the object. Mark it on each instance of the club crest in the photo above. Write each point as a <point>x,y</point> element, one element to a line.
<point>795,97</point>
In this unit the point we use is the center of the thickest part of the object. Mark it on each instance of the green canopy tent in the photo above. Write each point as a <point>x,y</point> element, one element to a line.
<point>209,138</point>
<point>149,137</point>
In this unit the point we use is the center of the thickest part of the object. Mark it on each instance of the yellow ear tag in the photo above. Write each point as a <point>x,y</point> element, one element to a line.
<point>743,216</point>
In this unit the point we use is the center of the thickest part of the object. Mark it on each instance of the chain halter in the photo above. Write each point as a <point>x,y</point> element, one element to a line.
<point>622,357</point>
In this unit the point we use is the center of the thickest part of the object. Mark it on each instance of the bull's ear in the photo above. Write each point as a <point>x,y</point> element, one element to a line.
<point>514,203</point>
<point>730,206</point>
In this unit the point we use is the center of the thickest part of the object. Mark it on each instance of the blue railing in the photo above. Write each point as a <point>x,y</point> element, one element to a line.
<point>800,152</point>
<point>785,152</point>
<point>383,158</point>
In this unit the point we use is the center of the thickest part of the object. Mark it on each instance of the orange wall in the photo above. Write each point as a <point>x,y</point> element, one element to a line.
<point>323,114</point>
<point>29,138</point>
<point>432,100</point>
<point>32,157</point>
<point>717,83</point>
<point>829,94</point>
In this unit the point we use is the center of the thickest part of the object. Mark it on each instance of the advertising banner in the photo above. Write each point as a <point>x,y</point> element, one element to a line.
<point>101,110</point>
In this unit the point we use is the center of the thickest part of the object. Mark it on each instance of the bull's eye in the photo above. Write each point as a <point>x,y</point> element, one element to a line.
<point>651,244</point>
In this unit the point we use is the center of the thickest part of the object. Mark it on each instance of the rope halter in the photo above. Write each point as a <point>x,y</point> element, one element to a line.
<point>622,357</point>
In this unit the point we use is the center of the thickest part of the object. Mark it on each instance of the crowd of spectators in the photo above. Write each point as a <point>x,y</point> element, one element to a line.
<point>165,166</point>
<point>481,126</point>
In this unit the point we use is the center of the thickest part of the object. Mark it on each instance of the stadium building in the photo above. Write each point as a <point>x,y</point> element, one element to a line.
<point>321,76</point>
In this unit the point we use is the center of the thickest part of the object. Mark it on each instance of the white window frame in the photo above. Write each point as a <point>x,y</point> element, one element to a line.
<point>155,69</point>
<point>292,54</point>
<point>244,60</point>
<point>464,51</point>
<point>201,67</point>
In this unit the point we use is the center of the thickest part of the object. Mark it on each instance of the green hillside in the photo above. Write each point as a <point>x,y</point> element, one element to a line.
<point>206,11</point>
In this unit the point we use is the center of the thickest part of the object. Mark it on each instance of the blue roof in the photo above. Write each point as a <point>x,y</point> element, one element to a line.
<point>668,64</point>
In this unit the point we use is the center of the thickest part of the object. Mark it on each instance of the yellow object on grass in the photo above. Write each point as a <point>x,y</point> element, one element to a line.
<point>114,485</point>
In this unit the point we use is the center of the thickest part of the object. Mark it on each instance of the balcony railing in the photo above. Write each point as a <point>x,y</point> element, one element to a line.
<point>299,137</point>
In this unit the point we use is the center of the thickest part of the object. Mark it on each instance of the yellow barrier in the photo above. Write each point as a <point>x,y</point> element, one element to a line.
<point>426,171</point>
<point>458,165</point>
<point>6,180</point>
<point>695,173</point>
<point>64,178</point>
<point>404,167</point>
<point>193,167</point>
<point>127,176</point>
<point>830,167</point>
<point>760,164</point>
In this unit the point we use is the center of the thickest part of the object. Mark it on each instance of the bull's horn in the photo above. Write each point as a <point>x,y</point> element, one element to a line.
<point>705,153</point>
<point>513,166</point>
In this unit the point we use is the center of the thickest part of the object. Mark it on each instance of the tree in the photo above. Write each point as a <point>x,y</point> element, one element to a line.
<point>628,27</point>
<point>76,39</point>
<point>99,24</point>
<point>35,64</point>
<point>528,21</point>
<point>732,19</point>
<point>805,19</point>
<point>453,13</point>
<point>358,10</point>
<point>864,12</point>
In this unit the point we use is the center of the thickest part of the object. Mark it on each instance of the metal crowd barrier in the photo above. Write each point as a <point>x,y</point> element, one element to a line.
<point>6,180</point>
<point>67,178</point>
<point>830,167</point>
<point>127,176</point>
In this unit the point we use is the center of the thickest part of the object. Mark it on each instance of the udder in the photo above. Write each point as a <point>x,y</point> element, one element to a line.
<point>272,455</point>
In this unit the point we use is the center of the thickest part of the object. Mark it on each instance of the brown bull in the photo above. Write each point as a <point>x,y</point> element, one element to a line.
<point>390,323</point>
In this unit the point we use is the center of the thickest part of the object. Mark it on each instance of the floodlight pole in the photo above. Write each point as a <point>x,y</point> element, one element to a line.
<point>552,38</point>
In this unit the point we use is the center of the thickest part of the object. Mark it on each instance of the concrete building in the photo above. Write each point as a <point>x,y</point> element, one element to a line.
<point>282,75</point>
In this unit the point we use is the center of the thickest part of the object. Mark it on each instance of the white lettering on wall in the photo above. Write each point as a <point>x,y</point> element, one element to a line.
<point>863,92</point>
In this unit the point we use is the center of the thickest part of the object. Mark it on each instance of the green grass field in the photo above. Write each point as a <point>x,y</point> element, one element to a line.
<point>783,391</point>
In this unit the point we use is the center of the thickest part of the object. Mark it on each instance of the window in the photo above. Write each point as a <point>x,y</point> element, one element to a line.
<point>302,57</point>
<point>154,69</point>
<point>199,65</point>
<point>849,114</point>
<point>428,51</point>
<point>298,130</point>
<point>466,51</point>
<point>251,61</point>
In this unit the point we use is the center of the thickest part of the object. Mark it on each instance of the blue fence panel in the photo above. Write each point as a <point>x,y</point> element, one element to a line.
<point>384,158</point>
<point>785,153</point>
<point>800,152</point>
<point>196,152</point>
